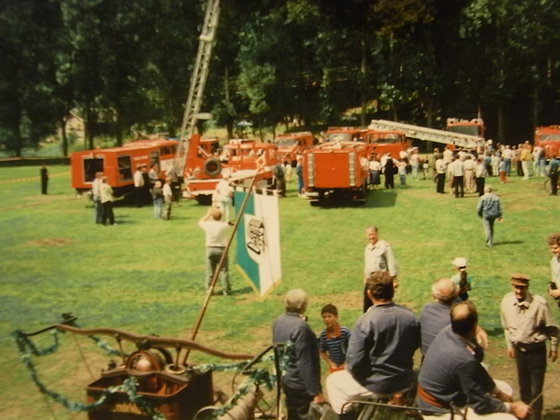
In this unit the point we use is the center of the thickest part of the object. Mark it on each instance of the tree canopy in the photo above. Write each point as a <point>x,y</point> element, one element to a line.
<point>124,66</point>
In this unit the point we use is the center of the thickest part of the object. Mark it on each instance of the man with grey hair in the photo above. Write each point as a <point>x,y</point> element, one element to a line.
<point>435,315</point>
<point>378,256</point>
<point>302,381</point>
<point>489,209</point>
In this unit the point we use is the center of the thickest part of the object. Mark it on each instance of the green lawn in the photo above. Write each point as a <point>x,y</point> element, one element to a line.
<point>146,275</point>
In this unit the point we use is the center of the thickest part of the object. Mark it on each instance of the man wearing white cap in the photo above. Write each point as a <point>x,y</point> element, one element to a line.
<point>462,279</point>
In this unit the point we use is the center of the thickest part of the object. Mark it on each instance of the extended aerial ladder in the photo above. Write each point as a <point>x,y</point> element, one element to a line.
<point>429,134</point>
<point>198,81</point>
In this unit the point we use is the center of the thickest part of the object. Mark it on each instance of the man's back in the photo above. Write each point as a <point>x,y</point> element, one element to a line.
<point>303,370</point>
<point>489,206</point>
<point>381,348</point>
<point>451,372</point>
<point>433,318</point>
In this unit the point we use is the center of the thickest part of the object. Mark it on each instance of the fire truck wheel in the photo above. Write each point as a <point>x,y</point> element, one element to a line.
<point>212,167</point>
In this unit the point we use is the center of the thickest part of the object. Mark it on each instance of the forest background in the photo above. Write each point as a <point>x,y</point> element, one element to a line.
<point>123,67</point>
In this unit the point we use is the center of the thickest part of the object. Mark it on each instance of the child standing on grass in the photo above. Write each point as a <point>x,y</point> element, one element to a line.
<point>462,279</point>
<point>333,340</point>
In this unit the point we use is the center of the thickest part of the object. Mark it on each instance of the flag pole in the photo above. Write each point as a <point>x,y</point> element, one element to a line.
<point>220,264</point>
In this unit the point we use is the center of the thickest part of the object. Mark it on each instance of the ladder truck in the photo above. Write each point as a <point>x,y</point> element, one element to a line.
<point>463,141</point>
<point>198,83</point>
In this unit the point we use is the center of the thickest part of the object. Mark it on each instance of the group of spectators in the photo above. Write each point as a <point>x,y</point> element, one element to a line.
<point>151,186</point>
<point>376,360</point>
<point>409,162</point>
<point>463,171</point>
<point>466,172</point>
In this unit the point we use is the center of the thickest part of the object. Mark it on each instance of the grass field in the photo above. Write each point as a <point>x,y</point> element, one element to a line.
<point>146,276</point>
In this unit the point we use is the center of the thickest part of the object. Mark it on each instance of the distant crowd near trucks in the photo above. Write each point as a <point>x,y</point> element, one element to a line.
<point>330,163</point>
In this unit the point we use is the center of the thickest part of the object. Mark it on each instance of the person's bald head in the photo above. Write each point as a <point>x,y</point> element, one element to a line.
<point>464,318</point>
<point>445,291</point>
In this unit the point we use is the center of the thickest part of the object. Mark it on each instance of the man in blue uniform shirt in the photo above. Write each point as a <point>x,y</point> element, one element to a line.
<point>379,359</point>
<point>452,375</point>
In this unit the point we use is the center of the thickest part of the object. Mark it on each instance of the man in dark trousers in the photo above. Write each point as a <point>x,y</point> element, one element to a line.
<point>554,169</point>
<point>528,324</point>
<point>44,179</point>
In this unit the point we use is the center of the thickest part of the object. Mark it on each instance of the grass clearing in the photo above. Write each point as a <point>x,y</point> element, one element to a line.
<point>146,275</point>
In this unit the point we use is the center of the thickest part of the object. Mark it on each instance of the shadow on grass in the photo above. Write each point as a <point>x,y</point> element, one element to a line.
<point>243,291</point>
<point>517,242</point>
<point>374,199</point>
<point>381,198</point>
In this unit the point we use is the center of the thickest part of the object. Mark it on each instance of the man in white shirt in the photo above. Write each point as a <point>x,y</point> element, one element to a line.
<point>216,242</point>
<point>458,170</point>
<point>96,196</point>
<point>167,198</point>
<point>138,179</point>
<point>223,198</point>
<point>378,256</point>
<point>441,169</point>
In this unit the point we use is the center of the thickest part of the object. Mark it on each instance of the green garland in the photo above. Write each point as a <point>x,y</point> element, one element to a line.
<point>27,349</point>
<point>255,378</point>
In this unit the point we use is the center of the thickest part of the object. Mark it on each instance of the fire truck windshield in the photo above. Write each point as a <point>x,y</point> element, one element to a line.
<point>390,138</point>
<point>286,142</point>
<point>339,137</point>
<point>471,130</point>
<point>549,137</point>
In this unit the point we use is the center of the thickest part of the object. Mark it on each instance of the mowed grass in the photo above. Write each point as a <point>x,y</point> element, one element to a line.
<point>146,276</point>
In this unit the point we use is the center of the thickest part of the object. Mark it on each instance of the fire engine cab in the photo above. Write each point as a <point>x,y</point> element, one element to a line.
<point>292,144</point>
<point>382,142</point>
<point>119,163</point>
<point>548,137</point>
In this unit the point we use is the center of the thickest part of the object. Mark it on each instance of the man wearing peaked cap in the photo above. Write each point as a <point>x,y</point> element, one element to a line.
<point>528,323</point>
<point>520,280</point>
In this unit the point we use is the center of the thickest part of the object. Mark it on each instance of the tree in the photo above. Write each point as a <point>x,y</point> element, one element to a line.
<point>28,32</point>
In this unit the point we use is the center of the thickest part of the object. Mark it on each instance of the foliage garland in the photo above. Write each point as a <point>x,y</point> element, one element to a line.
<point>257,377</point>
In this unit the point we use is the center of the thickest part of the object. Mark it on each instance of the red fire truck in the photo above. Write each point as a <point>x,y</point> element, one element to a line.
<point>473,127</point>
<point>292,144</point>
<point>381,142</point>
<point>336,170</point>
<point>548,137</point>
<point>238,161</point>
<point>119,163</point>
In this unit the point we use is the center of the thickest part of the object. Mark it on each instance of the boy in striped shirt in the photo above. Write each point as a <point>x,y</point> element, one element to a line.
<point>333,340</point>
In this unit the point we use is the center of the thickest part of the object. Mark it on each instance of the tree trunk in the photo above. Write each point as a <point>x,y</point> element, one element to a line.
<point>363,72</point>
<point>64,135</point>
<point>501,125</point>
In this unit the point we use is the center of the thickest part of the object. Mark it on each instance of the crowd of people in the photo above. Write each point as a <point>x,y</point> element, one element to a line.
<point>461,171</point>
<point>375,361</point>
